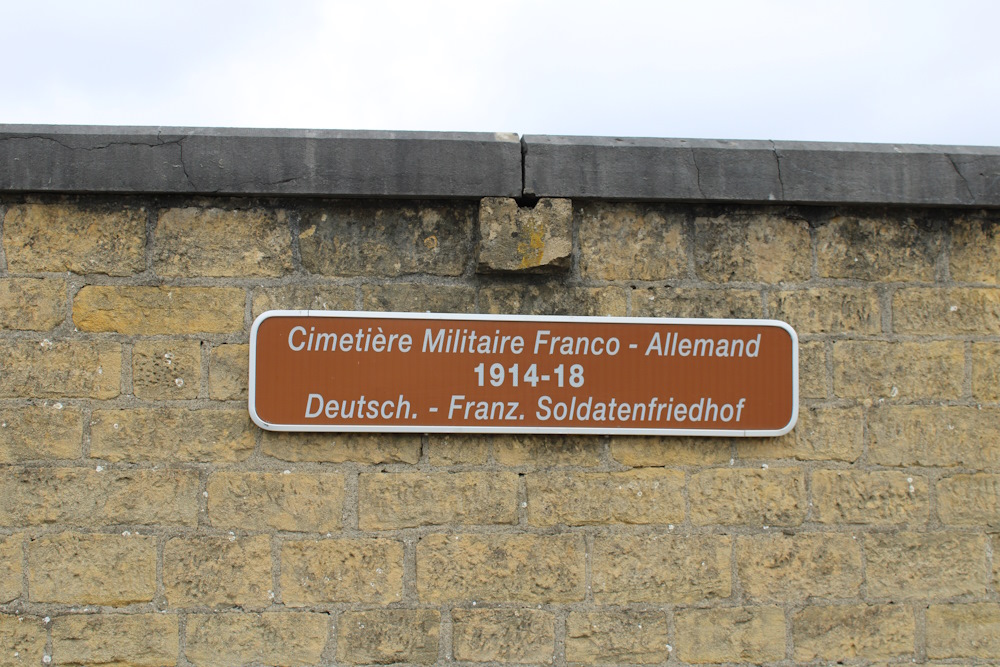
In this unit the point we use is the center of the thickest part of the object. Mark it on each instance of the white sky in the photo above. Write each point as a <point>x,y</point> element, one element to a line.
<point>841,70</point>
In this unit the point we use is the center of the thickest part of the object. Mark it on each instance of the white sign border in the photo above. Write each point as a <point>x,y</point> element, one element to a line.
<point>541,430</point>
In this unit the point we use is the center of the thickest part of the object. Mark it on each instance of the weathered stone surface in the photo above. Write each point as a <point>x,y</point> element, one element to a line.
<point>975,249</point>
<point>878,250</point>
<point>544,451</point>
<point>736,634</point>
<point>740,496</point>
<point>60,369</point>
<point>32,304</point>
<point>986,371</point>
<point>390,501</point>
<point>148,311</point>
<point>11,555</point>
<point>142,640</point>
<point>218,572</point>
<point>304,297</point>
<point>933,435</point>
<point>166,369</point>
<point>759,247</point>
<point>638,451</point>
<point>279,639</point>
<point>519,636</point>
<point>661,568</point>
<point>970,500</point>
<point>71,568</point>
<point>387,238</point>
<point>342,447</point>
<point>263,501</point>
<point>827,310</point>
<point>812,370</point>
<point>525,239</point>
<point>631,637</point>
<point>632,242</point>
<point>898,370</point>
<point>419,297</point>
<point>836,632</point>
<point>171,434</point>
<point>449,449</point>
<point>80,239</point>
<point>500,568</point>
<point>362,570</point>
<point>953,311</point>
<point>963,631</point>
<point>907,566</point>
<point>551,299</point>
<point>821,434</point>
<point>785,568</point>
<point>598,498</point>
<point>196,241</point>
<point>86,497</point>
<point>385,636</point>
<point>879,497</point>
<point>23,640</point>
<point>229,373</point>
<point>696,302</point>
<point>35,432</point>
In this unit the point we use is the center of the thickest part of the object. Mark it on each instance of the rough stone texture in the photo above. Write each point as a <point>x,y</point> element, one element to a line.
<point>632,637</point>
<point>827,310</point>
<point>970,500</point>
<point>195,241</point>
<point>388,636</point>
<point>40,432</point>
<point>645,496</point>
<point>171,434</point>
<point>83,239</point>
<point>986,371</point>
<point>229,373</point>
<point>975,249</point>
<point>783,568</point>
<point>143,640</point>
<point>740,496</point>
<point>534,239</point>
<point>921,566</point>
<point>499,568</point>
<point>535,299</point>
<point>836,632</point>
<point>218,572</point>
<point>418,297</point>
<point>934,435</point>
<point>963,631</point>
<point>737,634</point>
<point>544,451</point>
<point>639,451</point>
<point>870,249</point>
<point>696,302</point>
<point>11,554</point>
<point>447,449</point>
<point>22,638</point>
<point>758,247</point>
<point>821,434</point>
<point>32,304</point>
<point>812,370</point>
<point>954,311</point>
<point>881,497</point>
<point>661,568</point>
<point>148,311</point>
<point>166,369</point>
<point>390,501</point>
<point>898,370</point>
<point>60,369</point>
<point>631,242</point>
<point>279,639</point>
<point>341,570</point>
<point>519,636</point>
<point>71,568</point>
<point>342,447</point>
<point>386,239</point>
<point>303,297</point>
<point>996,562</point>
<point>257,501</point>
<point>87,497</point>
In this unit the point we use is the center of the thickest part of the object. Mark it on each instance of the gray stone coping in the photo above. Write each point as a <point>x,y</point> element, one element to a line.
<point>91,159</point>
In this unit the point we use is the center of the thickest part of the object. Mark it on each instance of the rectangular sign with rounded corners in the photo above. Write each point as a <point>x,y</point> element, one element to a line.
<point>444,373</point>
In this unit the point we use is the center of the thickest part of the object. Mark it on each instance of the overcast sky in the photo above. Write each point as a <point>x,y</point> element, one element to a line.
<point>891,72</point>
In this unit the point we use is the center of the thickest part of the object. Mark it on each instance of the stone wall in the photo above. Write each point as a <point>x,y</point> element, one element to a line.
<point>145,520</point>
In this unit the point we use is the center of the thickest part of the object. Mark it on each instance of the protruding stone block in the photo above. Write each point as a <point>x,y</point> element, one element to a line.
<point>532,240</point>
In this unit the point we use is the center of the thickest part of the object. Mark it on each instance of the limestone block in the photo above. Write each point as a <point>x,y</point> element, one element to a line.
<point>531,240</point>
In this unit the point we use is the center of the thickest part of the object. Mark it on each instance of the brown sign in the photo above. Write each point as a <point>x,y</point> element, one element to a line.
<point>418,372</point>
